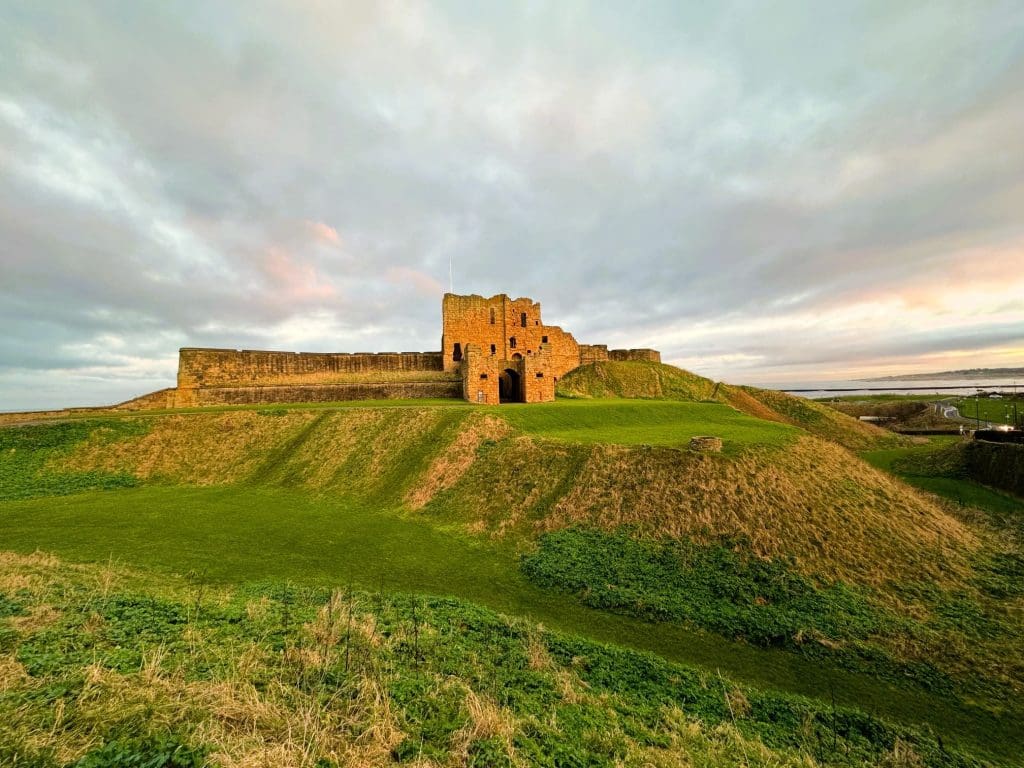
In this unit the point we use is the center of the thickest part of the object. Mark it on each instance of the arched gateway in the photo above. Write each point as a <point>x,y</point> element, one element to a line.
<point>510,387</point>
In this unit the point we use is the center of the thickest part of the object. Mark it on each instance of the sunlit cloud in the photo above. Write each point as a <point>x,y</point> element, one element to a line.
<point>687,177</point>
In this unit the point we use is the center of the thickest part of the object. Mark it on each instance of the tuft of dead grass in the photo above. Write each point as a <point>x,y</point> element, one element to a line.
<point>38,617</point>
<point>446,468</point>
<point>486,721</point>
<point>12,673</point>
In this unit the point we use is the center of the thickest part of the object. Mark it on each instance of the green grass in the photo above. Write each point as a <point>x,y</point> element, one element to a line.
<point>24,452</point>
<point>722,586</point>
<point>135,671</point>
<point>923,397</point>
<point>635,380</point>
<point>616,421</point>
<point>987,410</point>
<point>644,422</point>
<point>232,535</point>
<point>962,491</point>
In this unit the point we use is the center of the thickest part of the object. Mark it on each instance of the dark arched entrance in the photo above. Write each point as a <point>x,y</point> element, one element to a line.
<point>510,386</point>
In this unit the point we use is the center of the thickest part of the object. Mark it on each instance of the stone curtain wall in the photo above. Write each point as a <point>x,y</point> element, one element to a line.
<point>623,355</point>
<point>229,376</point>
<point>593,353</point>
<point>229,367</point>
<point>318,393</point>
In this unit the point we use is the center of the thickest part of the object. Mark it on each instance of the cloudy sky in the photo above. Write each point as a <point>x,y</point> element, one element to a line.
<point>766,192</point>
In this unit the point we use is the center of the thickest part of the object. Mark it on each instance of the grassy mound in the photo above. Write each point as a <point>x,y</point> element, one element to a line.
<point>101,666</point>
<point>635,380</point>
<point>645,380</point>
<point>723,587</point>
<point>818,419</point>
<point>792,495</point>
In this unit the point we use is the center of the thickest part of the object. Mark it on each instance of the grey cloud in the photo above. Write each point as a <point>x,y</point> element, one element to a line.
<point>636,172</point>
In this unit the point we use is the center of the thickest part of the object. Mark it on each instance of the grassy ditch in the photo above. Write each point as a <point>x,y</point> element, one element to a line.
<point>723,587</point>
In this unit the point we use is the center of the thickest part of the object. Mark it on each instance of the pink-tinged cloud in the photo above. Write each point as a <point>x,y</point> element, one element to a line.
<point>323,233</point>
<point>295,280</point>
<point>420,282</point>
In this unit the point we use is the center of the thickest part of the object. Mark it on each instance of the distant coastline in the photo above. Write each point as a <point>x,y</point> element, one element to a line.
<point>969,373</point>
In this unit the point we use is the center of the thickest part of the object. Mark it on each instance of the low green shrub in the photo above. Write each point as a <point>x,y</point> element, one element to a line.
<point>163,751</point>
<point>722,587</point>
<point>25,452</point>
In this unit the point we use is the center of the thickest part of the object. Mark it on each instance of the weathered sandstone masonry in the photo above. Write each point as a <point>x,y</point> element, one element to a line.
<point>227,376</point>
<point>505,353</point>
<point>493,350</point>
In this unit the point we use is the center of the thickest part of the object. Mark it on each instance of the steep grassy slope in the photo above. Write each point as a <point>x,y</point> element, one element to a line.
<point>658,381</point>
<point>794,495</point>
<point>635,379</point>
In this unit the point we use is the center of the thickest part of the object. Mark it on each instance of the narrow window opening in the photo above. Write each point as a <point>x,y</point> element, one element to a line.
<point>457,352</point>
<point>543,339</point>
<point>483,376</point>
<point>522,319</point>
<point>494,349</point>
<point>492,315</point>
<point>540,375</point>
<point>512,342</point>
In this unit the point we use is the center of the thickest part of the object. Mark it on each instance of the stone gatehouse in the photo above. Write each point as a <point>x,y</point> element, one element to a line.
<point>504,352</point>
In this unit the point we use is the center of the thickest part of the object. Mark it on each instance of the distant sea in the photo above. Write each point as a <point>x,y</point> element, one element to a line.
<point>814,389</point>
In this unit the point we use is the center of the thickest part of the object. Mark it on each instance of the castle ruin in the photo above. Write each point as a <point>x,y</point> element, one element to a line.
<point>493,350</point>
<point>503,352</point>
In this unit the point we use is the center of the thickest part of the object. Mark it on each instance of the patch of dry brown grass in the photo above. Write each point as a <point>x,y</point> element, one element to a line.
<point>817,419</point>
<point>244,724</point>
<point>198,449</point>
<point>12,674</point>
<point>36,618</point>
<point>505,491</point>
<point>31,573</point>
<point>487,720</point>
<point>402,428</point>
<point>814,500</point>
<point>695,745</point>
<point>447,467</point>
